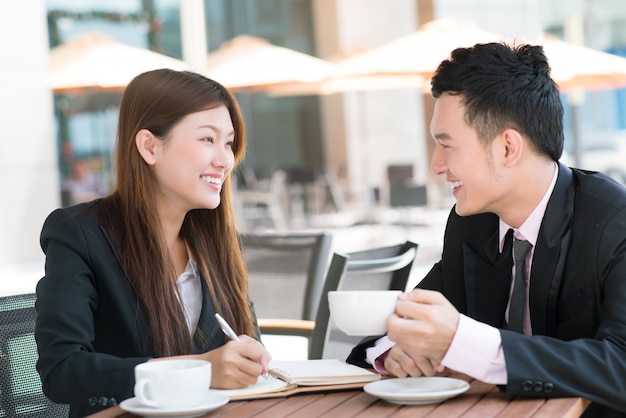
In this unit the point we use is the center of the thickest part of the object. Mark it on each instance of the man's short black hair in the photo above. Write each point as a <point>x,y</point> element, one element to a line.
<point>505,86</point>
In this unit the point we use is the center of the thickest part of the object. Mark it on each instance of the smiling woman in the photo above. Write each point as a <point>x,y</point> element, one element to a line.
<point>140,273</point>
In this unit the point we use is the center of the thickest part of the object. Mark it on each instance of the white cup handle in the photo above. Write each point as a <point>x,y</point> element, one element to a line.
<point>141,393</point>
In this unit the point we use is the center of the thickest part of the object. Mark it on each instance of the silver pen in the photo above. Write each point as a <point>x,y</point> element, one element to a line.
<point>226,328</point>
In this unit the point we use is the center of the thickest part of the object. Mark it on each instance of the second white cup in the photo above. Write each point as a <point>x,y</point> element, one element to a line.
<point>362,312</point>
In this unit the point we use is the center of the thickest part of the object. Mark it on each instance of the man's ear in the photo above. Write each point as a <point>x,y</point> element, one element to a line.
<point>146,144</point>
<point>514,145</point>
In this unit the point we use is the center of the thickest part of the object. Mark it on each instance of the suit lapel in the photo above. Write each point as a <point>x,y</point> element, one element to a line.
<point>208,330</point>
<point>550,253</point>
<point>487,274</point>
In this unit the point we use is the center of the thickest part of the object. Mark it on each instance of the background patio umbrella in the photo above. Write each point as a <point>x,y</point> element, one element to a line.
<point>419,53</point>
<point>248,62</point>
<point>99,63</point>
<point>406,62</point>
<point>579,67</point>
<point>341,84</point>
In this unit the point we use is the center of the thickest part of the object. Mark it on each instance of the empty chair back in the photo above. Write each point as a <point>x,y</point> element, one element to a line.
<point>286,272</point>
<point>379,268</point>
<point>20,387</point>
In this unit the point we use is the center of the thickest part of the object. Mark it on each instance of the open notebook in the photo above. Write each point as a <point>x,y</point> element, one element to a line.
<point>288,374</point>
<point>320,372</point>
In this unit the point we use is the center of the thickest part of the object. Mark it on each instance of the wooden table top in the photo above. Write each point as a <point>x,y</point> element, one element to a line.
<point>481,400</point>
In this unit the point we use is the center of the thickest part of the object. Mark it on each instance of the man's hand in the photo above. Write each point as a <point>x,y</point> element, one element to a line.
<point>422,327</point>
<point>401,364</point>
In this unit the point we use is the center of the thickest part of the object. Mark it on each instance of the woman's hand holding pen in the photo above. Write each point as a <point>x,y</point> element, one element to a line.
<point>238,364</point>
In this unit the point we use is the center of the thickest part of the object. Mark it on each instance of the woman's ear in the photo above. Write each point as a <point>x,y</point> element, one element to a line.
<point>146,144</point>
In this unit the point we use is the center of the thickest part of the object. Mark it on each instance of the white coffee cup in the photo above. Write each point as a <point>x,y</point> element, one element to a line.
<point>174,383</point>
<point>362,312</point>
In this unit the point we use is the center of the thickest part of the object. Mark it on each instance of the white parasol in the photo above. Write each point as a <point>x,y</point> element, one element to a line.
<point>95,61</point>
<point>248,62</point>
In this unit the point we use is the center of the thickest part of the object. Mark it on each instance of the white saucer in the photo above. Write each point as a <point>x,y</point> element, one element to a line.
<point>416,390</point>
<point>211,401</point>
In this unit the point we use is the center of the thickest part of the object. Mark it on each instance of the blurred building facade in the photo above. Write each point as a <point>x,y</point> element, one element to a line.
<point>356,134</point>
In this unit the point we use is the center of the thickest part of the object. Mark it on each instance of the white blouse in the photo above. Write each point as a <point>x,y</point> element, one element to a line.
<point>190,294</point>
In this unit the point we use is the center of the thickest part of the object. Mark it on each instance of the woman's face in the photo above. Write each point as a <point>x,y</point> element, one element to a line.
<point>193,162</point>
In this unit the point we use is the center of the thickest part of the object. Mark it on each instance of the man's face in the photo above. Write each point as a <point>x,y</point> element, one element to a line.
<point>467,164</point>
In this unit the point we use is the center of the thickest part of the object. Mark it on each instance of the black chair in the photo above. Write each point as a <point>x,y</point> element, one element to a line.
<point>20,386</point>
<point>387,267</point>
<point>285,275</point>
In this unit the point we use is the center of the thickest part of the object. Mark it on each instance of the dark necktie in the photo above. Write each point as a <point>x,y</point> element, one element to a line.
<point>518,297</point>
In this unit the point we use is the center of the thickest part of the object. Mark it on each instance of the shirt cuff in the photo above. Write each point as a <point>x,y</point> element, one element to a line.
<point>476,350</point>
<point>376,354</point>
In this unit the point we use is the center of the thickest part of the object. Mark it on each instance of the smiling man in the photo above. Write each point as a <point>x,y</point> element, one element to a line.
<point>561,331</point>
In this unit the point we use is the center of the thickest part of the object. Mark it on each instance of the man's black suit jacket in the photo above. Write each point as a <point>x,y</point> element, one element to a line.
<point>577,292</point>
<point>91,331</point>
